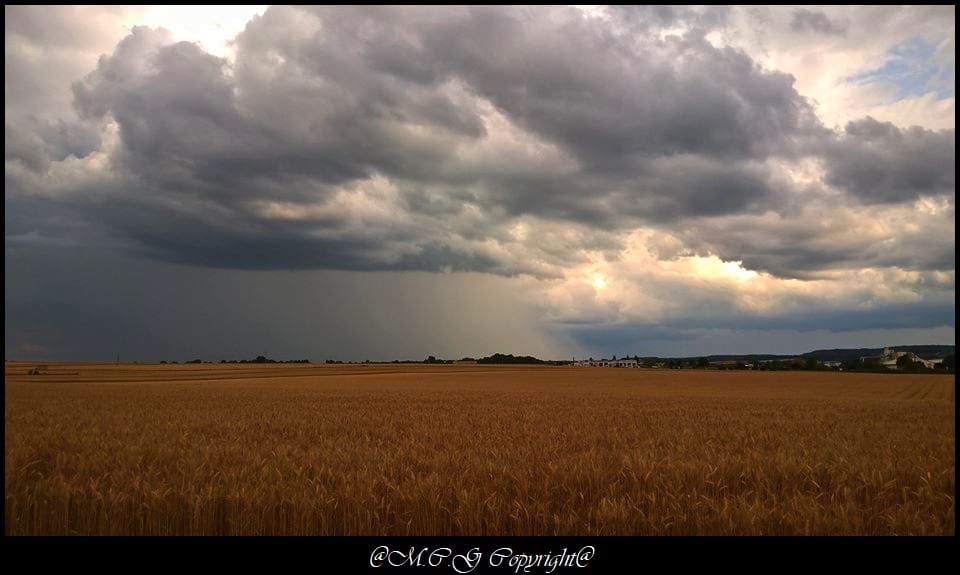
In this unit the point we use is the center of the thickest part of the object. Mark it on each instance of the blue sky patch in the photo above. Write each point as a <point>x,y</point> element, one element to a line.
<point>911,67</point>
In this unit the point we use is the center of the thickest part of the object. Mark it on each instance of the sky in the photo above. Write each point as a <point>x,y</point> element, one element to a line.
<point>395,182</point>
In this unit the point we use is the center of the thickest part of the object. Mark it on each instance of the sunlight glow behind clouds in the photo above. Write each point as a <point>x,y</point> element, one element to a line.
<point>213,27</point>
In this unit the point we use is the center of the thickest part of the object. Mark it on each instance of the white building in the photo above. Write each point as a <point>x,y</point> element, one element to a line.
<point>607,363</point>
<point>890,357</point>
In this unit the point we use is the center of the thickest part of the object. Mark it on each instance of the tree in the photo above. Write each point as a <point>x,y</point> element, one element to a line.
<point>906,363</point>
<point>649,362</point>
<point>509,358</point>
<point>703,362</point>
<point>948,362</point>
<point>810,363</point>
<point>851,364</point>
<point>870,363</point>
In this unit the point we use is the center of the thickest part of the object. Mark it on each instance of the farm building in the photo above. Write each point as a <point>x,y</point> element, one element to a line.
<point>890,356</point>
<point>608,363</point>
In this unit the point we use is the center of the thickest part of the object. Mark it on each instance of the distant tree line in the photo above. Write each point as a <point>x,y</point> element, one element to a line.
<point>796,364</point>
<point>803,363</point>
<point>262,359</point>
<point>510,358</point>
<point>497,358</point>
<point>258,359</point>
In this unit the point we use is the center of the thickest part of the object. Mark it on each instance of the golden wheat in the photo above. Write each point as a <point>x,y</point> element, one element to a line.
<point>451,450</point>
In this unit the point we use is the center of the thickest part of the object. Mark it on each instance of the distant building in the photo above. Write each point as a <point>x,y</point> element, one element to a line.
<point>889,357</point>
<point>607,363</point>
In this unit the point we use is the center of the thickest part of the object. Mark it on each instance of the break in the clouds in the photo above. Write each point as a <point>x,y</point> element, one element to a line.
<point>652,170</point>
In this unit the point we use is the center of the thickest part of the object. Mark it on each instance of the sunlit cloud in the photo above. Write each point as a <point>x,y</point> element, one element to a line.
<point>212,27</point>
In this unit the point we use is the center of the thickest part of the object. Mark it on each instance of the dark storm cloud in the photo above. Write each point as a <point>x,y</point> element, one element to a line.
<point>38,220</point>
<point>609,99</point>
<point>36,142</point>
<point>80,304</point>
<point>183,238</point>
<point>273,161</point>
<point>680,186</point>
<point>804,247</point>
<point>878,162</point>
<point>638,338</point>
<point>888,316</point>
<point>805,20</point>
<point>643,128</point>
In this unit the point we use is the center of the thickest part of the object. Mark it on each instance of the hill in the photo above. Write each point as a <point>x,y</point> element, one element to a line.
<point>924,351</point>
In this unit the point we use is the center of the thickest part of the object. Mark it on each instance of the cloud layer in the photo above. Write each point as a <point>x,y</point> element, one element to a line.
<point>642,146</point>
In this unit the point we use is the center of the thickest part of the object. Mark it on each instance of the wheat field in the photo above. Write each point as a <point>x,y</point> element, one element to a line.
<point>474,450</point>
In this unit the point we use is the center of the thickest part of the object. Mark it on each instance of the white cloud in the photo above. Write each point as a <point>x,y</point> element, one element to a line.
<point>822,64</point>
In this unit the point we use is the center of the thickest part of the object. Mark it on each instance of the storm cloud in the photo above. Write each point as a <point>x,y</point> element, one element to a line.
<point>551,145</point>
<point>601,128</point>
<point>879,162</point>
